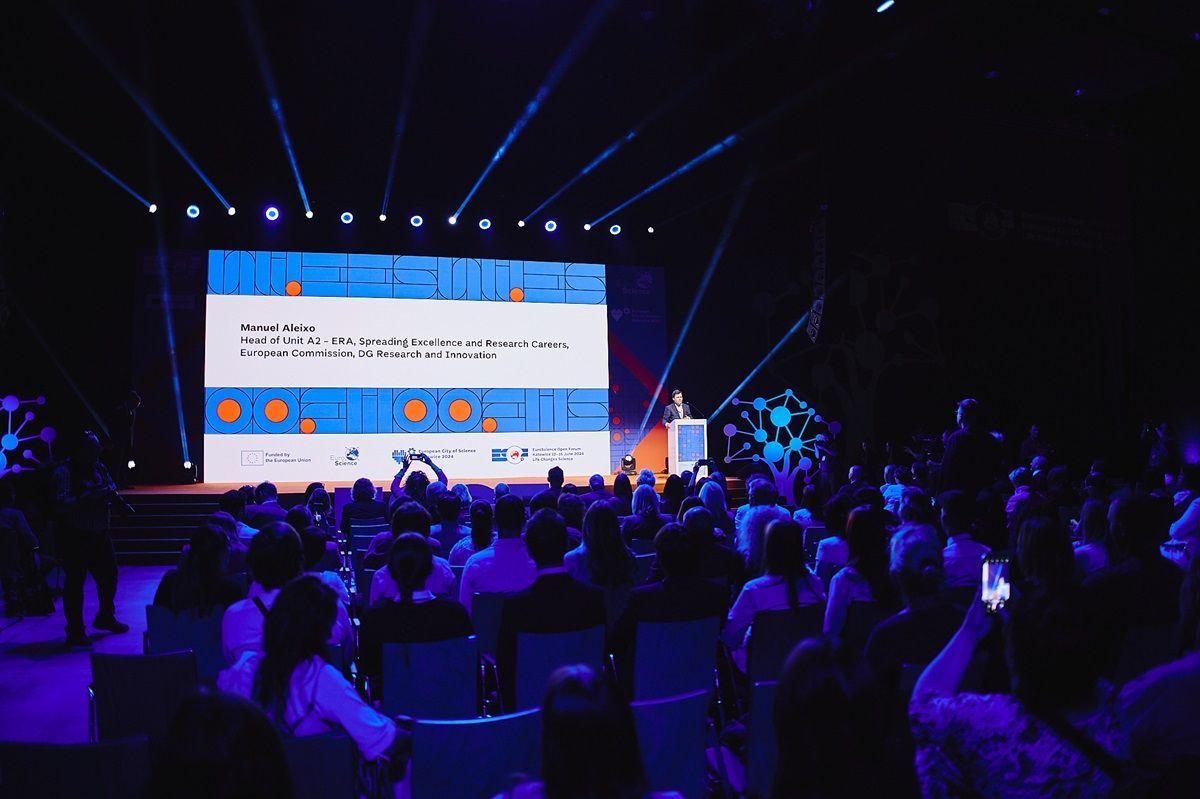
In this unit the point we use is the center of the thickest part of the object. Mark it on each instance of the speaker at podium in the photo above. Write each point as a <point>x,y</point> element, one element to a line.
<point>687,442</point>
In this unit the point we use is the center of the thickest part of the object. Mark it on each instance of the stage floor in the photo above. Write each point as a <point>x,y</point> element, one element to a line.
<point>298,488</point>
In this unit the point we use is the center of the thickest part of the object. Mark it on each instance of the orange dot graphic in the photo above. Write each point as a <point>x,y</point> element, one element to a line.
<point>414,410</point>
<point>292,288</point>
<point>489,425</point>
<point>616,420</point>
<point>460,410</point>
<point>229,410</point>
<point>307,425</point>
<point>516,294</point>
<point>616,436</point>
<point>276,411</point>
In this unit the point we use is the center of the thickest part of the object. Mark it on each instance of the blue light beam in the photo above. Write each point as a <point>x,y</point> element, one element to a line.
<point>735,211</point>
<point>579,41</point>
<point>70,145</point>
<point>268,78</point>
<point>422,19</point>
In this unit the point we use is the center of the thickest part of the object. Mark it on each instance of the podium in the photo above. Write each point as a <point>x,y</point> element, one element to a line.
<point>687,442</point>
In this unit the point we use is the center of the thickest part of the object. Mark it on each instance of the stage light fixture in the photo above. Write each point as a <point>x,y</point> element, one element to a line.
<point>308,214</point>
<point>272,213</point>
<point>453,220</point>
<point>587,225</point>
<point>383,217</point>
<point>193,211</point>
<point>884,6</point>
<point>131,464</point>
<point>152,208</point>
<point>187,464</point>
<point>485,223</point>
<point>416,220</point>
<point>520,223</point>
<point>551,226</point>
<point>347,217</point>
<point>231,210</point>
<point>1078,93</point>
<point>650,229</point>
<point>615,230</point>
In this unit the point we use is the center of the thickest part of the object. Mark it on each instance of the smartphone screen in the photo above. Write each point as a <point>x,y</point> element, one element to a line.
<point>995,591</point>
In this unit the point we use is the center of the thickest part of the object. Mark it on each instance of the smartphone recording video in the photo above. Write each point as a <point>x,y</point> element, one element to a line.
<point>996,589</point>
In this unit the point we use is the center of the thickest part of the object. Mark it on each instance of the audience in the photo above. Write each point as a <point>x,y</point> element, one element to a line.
<point>571,508</point>
<point>622,498</point>
<point>644,523</point>
<point>716,559</point>
<point>316,547</point>
<point>752,530</point>
<point>1044,554</point>
<point>481,536</point>
<point>833,551</point>
<point>713,498</point>
<point>672,495</point>
<point>1092,554</point>
<point>972,460</point>
<point>409,517</point>
<point>963,555</point>
<point>199,585</point>
<point>601,560</point>
<point>865,578</point>
<point>505,566</point>
<point>449,530</point>
<point>596,491</point>
<point>266,507</point>
<point>363,506</point>
<point>233,503</point>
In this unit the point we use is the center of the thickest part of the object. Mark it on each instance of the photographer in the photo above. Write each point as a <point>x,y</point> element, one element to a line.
<point>84,491</point>
<point>400,486</point>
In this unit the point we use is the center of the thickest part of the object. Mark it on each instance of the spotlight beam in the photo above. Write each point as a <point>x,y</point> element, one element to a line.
<point>674,100</point>
<point>80,29</point>
<point>70,145</point>
<point>578,42</point>
<point>422,20</point>
<point>259,48</point>
<point>800,323</point>
<point>735,211</point>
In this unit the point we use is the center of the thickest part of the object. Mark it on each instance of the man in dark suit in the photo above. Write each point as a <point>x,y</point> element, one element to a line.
<point>266,507</point>
<point>676,408</point>
<point>555,603</point>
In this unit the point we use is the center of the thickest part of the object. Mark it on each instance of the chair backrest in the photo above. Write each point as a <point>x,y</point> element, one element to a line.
<point>431,680</point>
<point>485,619</point>
<point>322,766</point>
<point>458,573</point>
<point>674,657</point>
<point>812,537</point>
<point>671,734</point>
<point>363,530</point>
<point>1145,648</point>
<point>170,632</point>
<point>773,635</point>
<point>644,564</point>
<point>139,694</point>
<point>56,771</point>
<point>761,753</point>
<point>474,757</point>
<point>539,654</point>
<point>826,570</point>
<point>642,546</point>
<point>861,618</point>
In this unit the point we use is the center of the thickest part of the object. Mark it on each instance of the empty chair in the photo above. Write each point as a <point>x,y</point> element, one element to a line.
<point>134,695</point>
<point>539,654</point>
<point>774,634</point>
<point>431,680</point>
<point>474,757</point>
<point>671,735</point>
<point>674,657</point>
<point>761,751</point>
<point>485,618</point>
<point>168,632</point>
<point>111,770</point>
<point>363,530</point>
<point>322,766</point>
<point>861,618</point>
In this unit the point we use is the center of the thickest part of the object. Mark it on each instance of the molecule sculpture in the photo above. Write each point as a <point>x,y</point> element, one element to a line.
<point>785,433</point>
<point>12,457</point>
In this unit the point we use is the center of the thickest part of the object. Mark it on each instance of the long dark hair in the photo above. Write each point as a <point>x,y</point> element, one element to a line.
<point>867,536</point>
<point>783,556</point>
<point>621,486</point>
<point>589,742</point>
<point>296,630</point>
<point>1044,552</point>
<point>201,569</point>
<point>481,524</point>
<point>410,564</point>
<point>673,493</point>
<point>609,560</point>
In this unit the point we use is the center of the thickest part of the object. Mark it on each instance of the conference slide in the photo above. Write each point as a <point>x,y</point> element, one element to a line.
<point>327,366</point>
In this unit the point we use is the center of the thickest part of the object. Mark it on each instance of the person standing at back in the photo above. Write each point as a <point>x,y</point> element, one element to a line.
<point>973,457</point>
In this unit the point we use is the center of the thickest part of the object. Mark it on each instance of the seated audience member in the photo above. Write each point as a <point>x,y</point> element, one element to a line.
<point>680,594</point>
<point>320,506</point>
<point>414,518</point>
<point>687,504</point>
<point>1159,711</point>
<point>409,517</point>
<point>1186,526</point>
<point>589,743</point>
<point>646,478</point>
<point>234,504</point>
<point>238,547</point>
<point>829,726</point>
<point>363,507</point>
<point>918,632</point>
<point>505,566</point>
<point>315,545</point>
<point>752,530</point>
<point>809,511</point>
<point>893,491</point>
<point>1058,733</point>
<point>601,560</point>
<point>300,691</point>
<point>760,490</point>
<point>716,559</point>
<point>833,551</point>
<point>449,531</point>
<point>673,494</point>
<point>554,480</point>
<point>856,478</point>
<point>555,602</point>
<point>544,499</point>
<point>481,536</point>
<point>571,508</point>
<point>501,490</point>
<point>1044,554</point>
<point>786,583</point>
<point>1021,479</point>
<point>963,556</point>
<point>622,498</point>
<point>220,745</point>
<point>915,506</point>
<point>1092,553</point>
<point>713,499</point>
<point>199,585</point>
<point>416,615</point>
<point>596,491</point>
<point>266,507</point>
<point>865,578</point>
<point>645,521</point>
<point>463,492</point>
<point>299,518</point>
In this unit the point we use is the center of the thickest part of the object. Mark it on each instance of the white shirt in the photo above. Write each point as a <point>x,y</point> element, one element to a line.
<point>440,582</point>
<point>833,550</point>
<point>846,586</point>
<point>1091,557</point>
<point>321,700</point>
<point>505,566</point>
<point>765,593</point>
<point>1188,525</point>
<point>332,580</point>
<point>242,626</point>
<point>961,559</point>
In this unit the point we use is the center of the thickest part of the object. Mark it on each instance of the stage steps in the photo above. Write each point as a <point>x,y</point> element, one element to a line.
<point>154,534</point>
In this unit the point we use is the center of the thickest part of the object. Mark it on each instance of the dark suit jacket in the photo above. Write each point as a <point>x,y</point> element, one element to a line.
<point>671,413</point>
<point>555,603</point>
<point>595,496</point>
<point>972,461</point>
<point>370,509</point>
<point>259,516</point>
<point>635,527</point>
<point>409,623</point>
